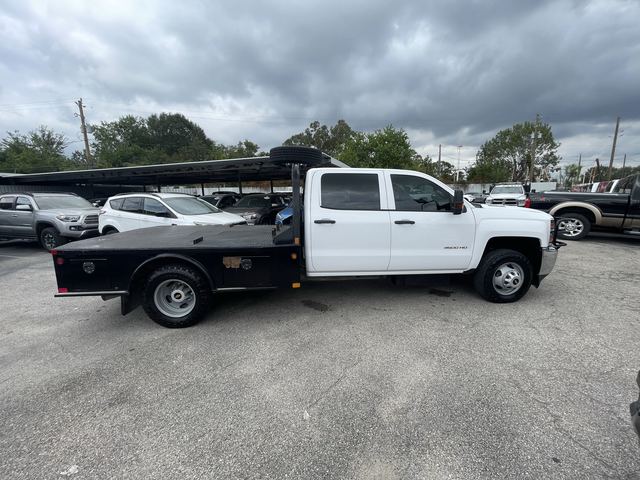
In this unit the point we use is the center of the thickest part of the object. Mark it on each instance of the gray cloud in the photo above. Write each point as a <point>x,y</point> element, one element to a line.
<point>449,72</point>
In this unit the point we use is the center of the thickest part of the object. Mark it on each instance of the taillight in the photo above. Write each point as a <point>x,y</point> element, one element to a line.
<point>527,203</point>
<point>59,261</point>
<point>53,252</point>
<point>63,290</point>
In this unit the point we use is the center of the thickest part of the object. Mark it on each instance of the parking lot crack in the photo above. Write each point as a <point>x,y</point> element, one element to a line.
<point>555,419</point>
<point>341,377</point>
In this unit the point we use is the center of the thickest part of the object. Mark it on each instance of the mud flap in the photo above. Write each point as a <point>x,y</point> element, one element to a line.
<point>129,303</point>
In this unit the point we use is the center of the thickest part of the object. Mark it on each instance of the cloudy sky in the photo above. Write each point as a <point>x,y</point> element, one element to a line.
<point>448,72</point>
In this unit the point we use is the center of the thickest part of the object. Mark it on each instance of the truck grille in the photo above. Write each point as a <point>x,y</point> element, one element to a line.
<point>91,219</point>
<point>505,201</point>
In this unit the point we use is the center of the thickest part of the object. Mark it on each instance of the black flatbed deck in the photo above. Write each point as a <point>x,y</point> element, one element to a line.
<point>167,238</point>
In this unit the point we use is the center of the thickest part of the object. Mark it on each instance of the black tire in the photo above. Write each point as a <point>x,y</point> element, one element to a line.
<point>579,225</point>
<point>502,260</point>
<point>109,230</point>
<point>306,155</point>
<point>160,279</point>
<point>50,238</point>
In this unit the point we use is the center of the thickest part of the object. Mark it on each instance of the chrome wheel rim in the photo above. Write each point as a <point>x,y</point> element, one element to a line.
<point>49,240</point>
<point>571,227</point>
<point>174,298</point>
<point>508,278</point>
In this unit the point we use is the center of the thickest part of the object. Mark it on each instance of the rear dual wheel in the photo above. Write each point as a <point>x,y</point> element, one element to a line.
<point>176,296</point>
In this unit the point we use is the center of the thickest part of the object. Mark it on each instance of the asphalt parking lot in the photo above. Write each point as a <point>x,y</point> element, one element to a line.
<point>336,380</point>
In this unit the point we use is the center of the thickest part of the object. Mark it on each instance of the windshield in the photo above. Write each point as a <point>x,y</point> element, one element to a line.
<point>506,189</point>
<point>61,201</point>
<point>254,201</point>
<point>190,206</point>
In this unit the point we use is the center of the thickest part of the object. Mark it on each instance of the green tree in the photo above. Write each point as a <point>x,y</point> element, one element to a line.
<point>330,140</point>
<point>178,138</point>
<point>511,149</point>
<point>244,149</point>
<point>485,170</point>
<point>572,174</point>
<point>386,148</point>
<point>41,150</point>
<point>163,138</point>
<point>442,170</point>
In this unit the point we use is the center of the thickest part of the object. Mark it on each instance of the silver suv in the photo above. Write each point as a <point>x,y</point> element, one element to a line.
<point>51,218</point>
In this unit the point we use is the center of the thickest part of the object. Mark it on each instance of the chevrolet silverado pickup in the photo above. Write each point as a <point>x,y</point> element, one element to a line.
<point>580,212</point>
<point>357,222</point>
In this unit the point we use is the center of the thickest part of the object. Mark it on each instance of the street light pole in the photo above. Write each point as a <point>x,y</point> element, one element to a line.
<point>534,137</point>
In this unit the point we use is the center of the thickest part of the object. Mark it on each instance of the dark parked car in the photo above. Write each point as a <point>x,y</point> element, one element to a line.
<point>222,200</point>
<point>578,213</point>
<point>259,208</point>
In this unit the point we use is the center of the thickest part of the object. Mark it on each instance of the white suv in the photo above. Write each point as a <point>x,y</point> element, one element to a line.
<point>141,210</point>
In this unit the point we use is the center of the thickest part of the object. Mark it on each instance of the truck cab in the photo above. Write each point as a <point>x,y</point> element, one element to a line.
<point>398,222</point>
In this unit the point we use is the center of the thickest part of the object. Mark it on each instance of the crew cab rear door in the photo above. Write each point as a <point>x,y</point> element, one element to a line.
<point>347,224</point>
<point>425,235</point>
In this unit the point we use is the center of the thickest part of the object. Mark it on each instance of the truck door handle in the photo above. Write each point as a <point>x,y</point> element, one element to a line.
<point>404,222</point>
<point>324,220</point>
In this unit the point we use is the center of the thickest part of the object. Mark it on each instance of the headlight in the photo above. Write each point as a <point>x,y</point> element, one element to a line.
<point>521,203</point>
<point>488,200</point>
<point>249,215</point>
<point>68,218</point>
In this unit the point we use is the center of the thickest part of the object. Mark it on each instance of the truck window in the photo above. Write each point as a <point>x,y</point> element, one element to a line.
<point>6,203</point>
<point>23,201</point>
<point>412,193</point>
<point>625,185</point>
<point>350,191</point>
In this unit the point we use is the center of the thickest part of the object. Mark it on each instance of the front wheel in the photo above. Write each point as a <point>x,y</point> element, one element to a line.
<point>504,276</point>
<point>50,238</point>
<point>573,226</point>
<point>176,296</point>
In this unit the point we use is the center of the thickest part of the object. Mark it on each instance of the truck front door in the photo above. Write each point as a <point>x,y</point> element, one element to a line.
<point>23,218</point>
<point>425,235</point>
<point>6,215</point>
<point>347,224</point>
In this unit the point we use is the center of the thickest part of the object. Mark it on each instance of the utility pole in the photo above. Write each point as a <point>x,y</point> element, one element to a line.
<point>624,160</point>
<point>613,147</point>
<point>534,137</point>
<point>439,169</point>
<point>83,129</point>
<point>458,170</point>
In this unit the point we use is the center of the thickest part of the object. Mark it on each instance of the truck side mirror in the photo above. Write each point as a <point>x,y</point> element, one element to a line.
<point>458,202</point>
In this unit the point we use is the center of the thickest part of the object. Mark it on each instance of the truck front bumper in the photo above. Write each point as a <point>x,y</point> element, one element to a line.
<point>80,231</point>
<point>548,260</point>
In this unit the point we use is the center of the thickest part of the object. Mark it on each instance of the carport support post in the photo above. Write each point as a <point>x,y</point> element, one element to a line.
<point>202,188</point>
<point>295,219</point>
<point>271,182</point>
<point>239,185</point>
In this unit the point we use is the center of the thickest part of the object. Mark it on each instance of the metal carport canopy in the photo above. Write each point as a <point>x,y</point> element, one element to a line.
<point>187,173</point>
